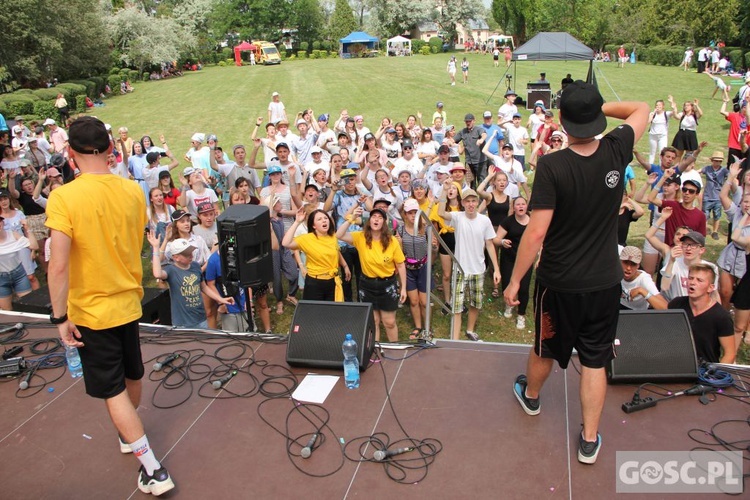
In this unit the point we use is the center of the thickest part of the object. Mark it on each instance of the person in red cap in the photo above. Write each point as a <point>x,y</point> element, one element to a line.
<point>578,278</point>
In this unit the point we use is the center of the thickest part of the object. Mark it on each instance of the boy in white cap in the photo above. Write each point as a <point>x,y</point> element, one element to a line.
<point>276,109</point>
<point>198,154</point>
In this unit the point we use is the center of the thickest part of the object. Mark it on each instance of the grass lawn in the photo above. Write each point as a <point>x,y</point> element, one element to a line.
<point>227,100</point>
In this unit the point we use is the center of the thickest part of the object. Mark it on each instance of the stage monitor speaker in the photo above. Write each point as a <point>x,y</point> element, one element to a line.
<point>653,346</point>
<point>318,330</point>
<point>155,304</point>
<point>245,245</point>
<point>538,95</point>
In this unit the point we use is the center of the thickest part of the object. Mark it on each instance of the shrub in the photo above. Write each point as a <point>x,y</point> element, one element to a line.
<point>81,103</point>
<point>90,87</point>
<point>735,56</point>
<point>133,75</point>
<point>146,76</point>
<point>45,109</point>
<point>99,82</point>
<point>316,45</point>
<point>31,95</point>
<point>114,71</point>
<point>416,45</point>
<point>19,104</point>
<point>323,54</point>
<point>125,73</point>
<point>315,54</point>
<point>222,63</point>
<point>425,50</point>
<point>4,108</point>
<point>434,49</point>
<point>23,91</point>
<point>71,90</point>
<point>304,46</point>
<point>114,82</point>
<point>301,54</point>
<point>333,53</point>
<point>436,42</point>
<point>326,45</point>
<point>227,53</point>
<point>46,94</point>
<point>230,61</point>
<point>747,59</point>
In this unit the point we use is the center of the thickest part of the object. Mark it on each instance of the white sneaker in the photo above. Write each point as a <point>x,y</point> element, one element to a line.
<point>508,312</point>
<point>452,84</point>
<point>521,322</point>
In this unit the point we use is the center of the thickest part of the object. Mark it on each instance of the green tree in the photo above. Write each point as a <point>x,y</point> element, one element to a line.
<point>251,19</point>
<point>308,19</point>
<point>143,40</point>
<point>393,17</point>
<point>45,39</point>
<point>452,12</point>
<point>342,21</point>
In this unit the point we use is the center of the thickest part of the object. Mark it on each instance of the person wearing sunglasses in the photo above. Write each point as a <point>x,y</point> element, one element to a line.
<point>684,213</point>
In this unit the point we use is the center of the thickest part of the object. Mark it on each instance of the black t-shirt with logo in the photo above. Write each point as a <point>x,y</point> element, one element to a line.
<point>585,192</point>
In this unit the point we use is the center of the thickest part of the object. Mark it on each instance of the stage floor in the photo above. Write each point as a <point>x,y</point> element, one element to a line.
<point>61,444</point>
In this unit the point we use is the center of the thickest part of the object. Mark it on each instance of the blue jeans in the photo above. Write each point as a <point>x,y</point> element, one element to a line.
<point>15,281</point>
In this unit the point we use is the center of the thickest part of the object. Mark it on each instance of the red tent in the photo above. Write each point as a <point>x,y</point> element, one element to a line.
<point>240,48</point>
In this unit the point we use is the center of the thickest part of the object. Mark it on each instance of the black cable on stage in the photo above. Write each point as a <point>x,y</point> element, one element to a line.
<point>317,420</point>
<point>402,470</point>
<point>712,441</point>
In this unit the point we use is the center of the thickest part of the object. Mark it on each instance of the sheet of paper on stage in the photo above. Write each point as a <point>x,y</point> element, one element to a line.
<point>315,388</point>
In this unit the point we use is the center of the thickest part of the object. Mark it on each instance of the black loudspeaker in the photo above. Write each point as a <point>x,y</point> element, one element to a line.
<point>157,308</point>
<point>538,95</point>
<point>155,303</point>
<point>653,346</point>
<point>318,330</point>
<point>245,245</point>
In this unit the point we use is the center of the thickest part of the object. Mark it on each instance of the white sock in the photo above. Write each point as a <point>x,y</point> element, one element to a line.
<point>143,451</point>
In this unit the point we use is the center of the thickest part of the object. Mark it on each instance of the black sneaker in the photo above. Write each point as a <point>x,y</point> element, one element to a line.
<point>530,406</point>
<point>587,450</point>
<point>156,484</point>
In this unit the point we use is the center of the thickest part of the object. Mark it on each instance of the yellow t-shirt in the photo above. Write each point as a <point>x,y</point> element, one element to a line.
<point>377,262</point>
<point>424,206</point>
<point>441,222</point>
<point>322,253</point>
<point>104,215</point>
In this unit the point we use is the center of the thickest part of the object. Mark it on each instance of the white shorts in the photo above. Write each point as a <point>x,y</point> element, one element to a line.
<point>648,247</point>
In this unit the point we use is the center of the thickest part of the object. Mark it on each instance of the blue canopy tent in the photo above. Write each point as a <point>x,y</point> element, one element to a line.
<point>357,44</point>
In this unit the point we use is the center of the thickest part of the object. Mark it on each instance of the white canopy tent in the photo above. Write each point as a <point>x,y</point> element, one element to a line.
<point>398,46</point>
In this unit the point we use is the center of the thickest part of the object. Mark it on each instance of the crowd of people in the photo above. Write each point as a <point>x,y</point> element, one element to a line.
<point>344,202</point>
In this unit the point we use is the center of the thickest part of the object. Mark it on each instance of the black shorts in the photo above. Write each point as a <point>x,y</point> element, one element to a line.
<point>584,321</point>
<point>382,293</point>
<point>450,241</point>
<point>109,357</point>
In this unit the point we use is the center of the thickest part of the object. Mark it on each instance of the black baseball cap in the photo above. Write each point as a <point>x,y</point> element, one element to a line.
<point>164,173</point>
<point>88,136</point>
<point>581,110</point>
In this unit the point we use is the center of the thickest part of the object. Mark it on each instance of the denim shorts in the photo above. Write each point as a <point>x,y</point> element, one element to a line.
<point>15,281</point>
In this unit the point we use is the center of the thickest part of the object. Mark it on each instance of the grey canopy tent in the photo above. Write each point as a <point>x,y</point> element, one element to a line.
<point>553,46</point>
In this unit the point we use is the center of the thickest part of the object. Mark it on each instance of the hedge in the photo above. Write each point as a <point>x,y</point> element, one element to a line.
<point>23,91</point>
<point>114,82</point>
<point>416,45</point>
<point>425,50</point>
<point>90,87</point>
<point>301,54</point>
<point>19,104</point>
<point>99,82</point>
<point>71,90</point>
<point>436,42</point>
<point>146,76</point>
<point>45,109</point>
<point>81,103</point>
<point>114,71</point>
<point>46,94</point>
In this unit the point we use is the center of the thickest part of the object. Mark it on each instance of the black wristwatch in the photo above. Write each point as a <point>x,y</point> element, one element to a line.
<point>58,321</point>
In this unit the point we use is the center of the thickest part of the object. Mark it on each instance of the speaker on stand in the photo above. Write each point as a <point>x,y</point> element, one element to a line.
<point>318,330</point>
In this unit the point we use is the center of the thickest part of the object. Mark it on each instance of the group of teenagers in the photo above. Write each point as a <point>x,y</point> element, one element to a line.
<point>344,218</point>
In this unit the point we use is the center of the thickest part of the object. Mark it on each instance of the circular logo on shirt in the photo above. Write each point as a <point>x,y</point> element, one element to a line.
<point>612,179</point>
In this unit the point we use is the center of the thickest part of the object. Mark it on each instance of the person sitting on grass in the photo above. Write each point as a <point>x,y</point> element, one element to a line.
<point>185,283</point>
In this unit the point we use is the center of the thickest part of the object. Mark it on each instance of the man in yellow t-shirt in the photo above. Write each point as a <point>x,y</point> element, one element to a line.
<point>95,274</point>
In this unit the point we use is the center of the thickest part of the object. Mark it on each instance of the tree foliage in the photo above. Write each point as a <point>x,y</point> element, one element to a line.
<point>309,20</point>
<point>43,39</point>
<point>453,12</point>
<point>393,17</point>
<point>143,40</point>
<point>342,20</point>
<point>252,19</point>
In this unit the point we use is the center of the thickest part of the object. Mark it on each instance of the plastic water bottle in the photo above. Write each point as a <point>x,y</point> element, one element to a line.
<point>74,361</point>
<point>351,363</point>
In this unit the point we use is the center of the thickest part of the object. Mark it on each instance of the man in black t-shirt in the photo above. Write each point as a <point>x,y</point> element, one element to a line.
<point>578,279</point>
<point>713,330</point>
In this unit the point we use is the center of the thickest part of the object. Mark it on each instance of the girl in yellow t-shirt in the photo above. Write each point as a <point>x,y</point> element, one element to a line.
<point>382,262</point>
<point>322,279</point>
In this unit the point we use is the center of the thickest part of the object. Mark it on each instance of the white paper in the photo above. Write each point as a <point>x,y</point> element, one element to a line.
<point>315,388</point>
